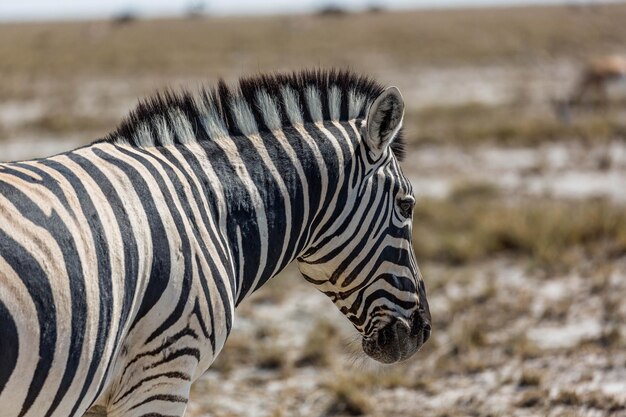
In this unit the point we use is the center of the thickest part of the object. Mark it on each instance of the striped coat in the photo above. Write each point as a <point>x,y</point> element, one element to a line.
<point>121,263</point>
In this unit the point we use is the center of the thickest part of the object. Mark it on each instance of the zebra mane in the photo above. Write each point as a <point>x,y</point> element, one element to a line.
<point>262,103</point>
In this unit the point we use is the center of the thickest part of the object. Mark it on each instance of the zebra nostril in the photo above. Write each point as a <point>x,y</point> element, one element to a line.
<point>421,324</point>
<point>426,330</point>
<point>384,335</point>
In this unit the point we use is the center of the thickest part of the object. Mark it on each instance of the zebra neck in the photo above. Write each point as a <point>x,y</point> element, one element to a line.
<point>279,189</point>
<point>257,202</point>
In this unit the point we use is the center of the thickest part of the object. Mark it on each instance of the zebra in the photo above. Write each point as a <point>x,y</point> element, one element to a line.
<point>121,262</point>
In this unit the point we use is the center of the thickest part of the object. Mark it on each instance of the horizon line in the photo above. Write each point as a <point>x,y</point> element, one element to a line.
<point>141,14</point>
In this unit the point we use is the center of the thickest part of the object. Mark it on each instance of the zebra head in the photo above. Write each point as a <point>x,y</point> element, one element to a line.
<point>364,259</point>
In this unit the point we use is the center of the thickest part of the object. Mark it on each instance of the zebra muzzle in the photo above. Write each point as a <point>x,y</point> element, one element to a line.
<point>398,341</point>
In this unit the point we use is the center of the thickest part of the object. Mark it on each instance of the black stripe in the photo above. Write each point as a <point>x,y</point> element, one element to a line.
<point>131,267</point>
<point>207,296</point>
<point>312,172</point>
<point>295,192</point>
<point>9,345</point>
<point>160,268</point>
<point>376,295</point>
<point>401,283</point>
<point>170,375</point>
<point>160,397</point>
<point>36,282</point>
<point>171,340</point>
<point>198,314</point>
<point>178,220</point>
<point>65,241</point>
<point>241,215</point>
<point>180,353</point>
<point>225,257</point>
<point>77,287</point>
<point>343,226</point>
<point>333,167</point>
<point>205,189</point>
<point>157,415</point>
<point>46,181</point>
<point>274,208</point>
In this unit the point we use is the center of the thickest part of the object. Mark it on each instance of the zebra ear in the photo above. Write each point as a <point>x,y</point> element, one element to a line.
<point>384,118</point>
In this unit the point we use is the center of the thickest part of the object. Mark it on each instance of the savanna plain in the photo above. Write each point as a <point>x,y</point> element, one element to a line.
<point>519,228</point>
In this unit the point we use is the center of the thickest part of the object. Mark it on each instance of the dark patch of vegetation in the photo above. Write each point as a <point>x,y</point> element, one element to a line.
<point>332,10</point>
<point>348,399</point>
<point>320,346</point>
<point>271,358</point>
<point>509,125</point>
<point>62,123</point>
<point>530,378</point>
<point>550,233</point>
<point>531,398</point>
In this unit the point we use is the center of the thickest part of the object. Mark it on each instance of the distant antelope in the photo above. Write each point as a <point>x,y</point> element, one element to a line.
<point>591,88</point>
<point>596,76</point>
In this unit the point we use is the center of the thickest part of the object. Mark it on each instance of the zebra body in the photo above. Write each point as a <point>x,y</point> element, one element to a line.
<point>121,263</point>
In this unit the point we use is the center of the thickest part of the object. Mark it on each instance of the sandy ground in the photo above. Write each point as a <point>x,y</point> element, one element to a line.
<point>522,344</point>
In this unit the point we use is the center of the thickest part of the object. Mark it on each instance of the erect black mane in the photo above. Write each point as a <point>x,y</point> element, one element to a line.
<point>342,95</point>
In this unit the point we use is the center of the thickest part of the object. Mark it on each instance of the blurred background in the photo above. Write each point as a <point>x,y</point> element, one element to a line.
<point>516,123</point>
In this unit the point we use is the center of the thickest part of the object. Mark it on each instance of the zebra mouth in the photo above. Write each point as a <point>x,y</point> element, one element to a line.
<point>396,342</point>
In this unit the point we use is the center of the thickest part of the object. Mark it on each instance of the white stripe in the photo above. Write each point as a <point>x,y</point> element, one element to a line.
<point>314,103</point>
<point>244,117</point>
<point>334,103</point>
<point>163,131</point>
<point>18,301</point>
<point>292,106</point>
<point>42,246</point>
<point>268,109</point>
<point>182,127</point>
<point>356,101</point>
<point>143,137</point>
<point>210,118</point>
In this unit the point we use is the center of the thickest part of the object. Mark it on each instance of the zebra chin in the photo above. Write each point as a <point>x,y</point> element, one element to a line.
<point>396,341</point>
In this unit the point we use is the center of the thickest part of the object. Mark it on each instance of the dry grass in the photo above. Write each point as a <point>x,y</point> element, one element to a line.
<point>549,233</point>
<point>347,398</point>
<point>592,400</point>
<point>237,352</point>
<point>347,403</point>
<point>257,348</point>
<point>55,59</point>
<point>530,378</point>
<point>320,346</point>
<point>531,398</point>
<point>58,123</point>
<point>401,40</point>
<point>509,125</point>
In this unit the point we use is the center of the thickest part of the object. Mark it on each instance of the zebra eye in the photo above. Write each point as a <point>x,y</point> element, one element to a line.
<point>406,206</point>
